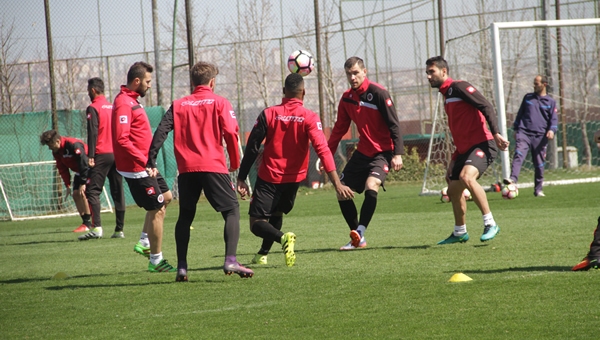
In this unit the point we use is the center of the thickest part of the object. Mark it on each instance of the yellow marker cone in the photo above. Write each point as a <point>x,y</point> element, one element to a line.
<point>191,228</point>
<point>460,277</point>
<point>61,276</point>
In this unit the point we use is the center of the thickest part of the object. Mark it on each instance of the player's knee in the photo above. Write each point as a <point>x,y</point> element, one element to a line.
<point>168,197</point>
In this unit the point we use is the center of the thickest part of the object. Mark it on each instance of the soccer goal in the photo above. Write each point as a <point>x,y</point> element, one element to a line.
<point>35,191</point>
<point>501,62</point>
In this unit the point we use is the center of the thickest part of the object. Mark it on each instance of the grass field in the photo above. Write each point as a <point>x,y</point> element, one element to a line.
<point>397,288</point>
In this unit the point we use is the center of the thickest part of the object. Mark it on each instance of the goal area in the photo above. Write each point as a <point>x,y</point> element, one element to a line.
<point>502,61</point>
<point>35,190</point>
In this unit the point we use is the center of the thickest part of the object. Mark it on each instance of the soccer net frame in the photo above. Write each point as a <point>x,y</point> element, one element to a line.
<point>34,190</point>
<point>441,141</point>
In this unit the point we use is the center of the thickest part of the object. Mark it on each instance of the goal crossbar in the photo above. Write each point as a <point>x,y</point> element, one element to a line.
<point>497,67</point>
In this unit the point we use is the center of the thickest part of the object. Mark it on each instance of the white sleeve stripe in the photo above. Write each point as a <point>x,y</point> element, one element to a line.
<point>451,100</point>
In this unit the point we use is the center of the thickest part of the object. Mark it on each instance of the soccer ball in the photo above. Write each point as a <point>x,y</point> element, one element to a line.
<point>444,198</point>
<point>467,195</point>
<point>510,192</point>
<point>301,62</point>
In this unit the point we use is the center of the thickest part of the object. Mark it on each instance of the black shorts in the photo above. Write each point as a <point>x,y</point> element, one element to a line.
<point>269,198</point>
<point>218,189</point>
<point>479,156</point>
<point>361,167</point>
<point>147,191</point>
<point>77,182</point>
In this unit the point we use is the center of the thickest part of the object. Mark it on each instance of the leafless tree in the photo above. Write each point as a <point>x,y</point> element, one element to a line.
<point>583,70</point>
<point>11,51</point>
<point>70,78</point>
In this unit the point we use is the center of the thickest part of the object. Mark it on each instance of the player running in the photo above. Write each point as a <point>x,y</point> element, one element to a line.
<point>201,121</point>
<point>287,130</point>
<point>380,146</point>
<point>468,111</point>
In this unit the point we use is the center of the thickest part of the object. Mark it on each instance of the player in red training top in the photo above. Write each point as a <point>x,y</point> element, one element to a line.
<point>102,161</point>
<point>71,153</point>
<point>287,130</point>
<point>201,122</point>
<point>132,136</point>
<point>380,146</point>
<point>468,111</point>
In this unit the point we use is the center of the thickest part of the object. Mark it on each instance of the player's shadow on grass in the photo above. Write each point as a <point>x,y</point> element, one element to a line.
<point>39,279</point>
<point>517,269</point>
<point>337,250</point>
<point>45,233</point>
<point>37,242</point>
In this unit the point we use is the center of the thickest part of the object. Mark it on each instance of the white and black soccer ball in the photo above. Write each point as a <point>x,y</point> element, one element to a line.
<point>301,62</point>
<point>444,195</point>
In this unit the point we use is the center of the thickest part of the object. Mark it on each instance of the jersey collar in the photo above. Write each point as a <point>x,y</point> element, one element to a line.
<point>446,85</point>
<point>98,98</point>
<point>285,101</point>
<point>363,87</point>
<point>201,88</point>
<point>130,93</point>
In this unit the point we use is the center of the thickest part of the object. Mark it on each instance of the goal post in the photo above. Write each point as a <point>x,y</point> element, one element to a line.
<point>501,62</point>
<point>34,190</point>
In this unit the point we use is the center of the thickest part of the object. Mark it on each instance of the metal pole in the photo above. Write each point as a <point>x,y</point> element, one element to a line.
<point>108,80</point>
<point>561,95</point>
<point>143,26</point>
<point>319,63</point>
<point>30,87</point>
<point>547,66</point>
<point>51,67</point>
<point>375,54</point>
<point>157,63</point>
<point>173,48</point>
<point>497,61</point>
<point>342,29</point>
<point>441,26</point>
<point>190,39</point>
<point>100,39</point>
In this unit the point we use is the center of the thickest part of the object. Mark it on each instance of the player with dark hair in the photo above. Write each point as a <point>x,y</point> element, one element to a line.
<point>201,121</point>
<point>102,161</point>
<point>287,130</point>
<point>468,111</point>
<point>380,146</point>
<point>592,259</point>
<point>132,138</point>
<point>71,153</point>
<point>535,124</point>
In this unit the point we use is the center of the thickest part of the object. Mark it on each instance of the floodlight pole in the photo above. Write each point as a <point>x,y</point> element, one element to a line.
<point>51,66</point>
<point>319,62</point>
<point>190,40</point>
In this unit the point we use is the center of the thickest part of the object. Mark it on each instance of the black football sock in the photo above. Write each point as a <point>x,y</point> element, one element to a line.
<point>276,222</point>
<point>120,216</point>
<point>595,245</point>
<point>265,230</point>
<point>231,233</point>
<point>368,207</point>
<point>350,214</point>
<point>86,218</point>
<point>182,235</point>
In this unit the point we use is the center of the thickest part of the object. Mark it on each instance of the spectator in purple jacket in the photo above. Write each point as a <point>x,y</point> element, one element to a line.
<point>535,124</point>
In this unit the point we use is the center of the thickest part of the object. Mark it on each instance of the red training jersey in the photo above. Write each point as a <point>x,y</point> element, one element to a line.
<point>201,122</point>
<point>372,110</point>
<point>132,134</point>
<point>467,111</point>
<point>71,155</point>
<point>99,117</point>
<point>287,130</point>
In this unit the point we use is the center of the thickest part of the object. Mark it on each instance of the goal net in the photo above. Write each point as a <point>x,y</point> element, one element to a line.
<point>34,191</point>
<point>502,62</point>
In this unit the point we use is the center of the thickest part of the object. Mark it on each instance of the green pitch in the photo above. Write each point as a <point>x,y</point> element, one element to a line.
<point>397,288</point>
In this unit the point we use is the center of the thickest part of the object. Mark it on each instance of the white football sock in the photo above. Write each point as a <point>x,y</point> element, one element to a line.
<point>460,230</point>
<point>144,239</point>
<point>156,258</point>
<point>488,219</point>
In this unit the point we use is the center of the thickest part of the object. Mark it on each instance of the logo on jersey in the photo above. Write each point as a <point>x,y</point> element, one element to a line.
<point>290,119</point>
<point>87,181</point>
<point>232,113</point>
<point>255,123</point>
<point>369,96</point>
<point>150,191</point>
<point>89,116</point>
<point>232,186</point>
<point>77,152</point>
<point>471,89</point>
<point>480,153</point>
<point>123,119</point>
<point>375,173</point>
<point>450,91</point>
<point>388,102</point>
<point>160,198</point>
<point>319,126</point>
<point>386,169</point>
